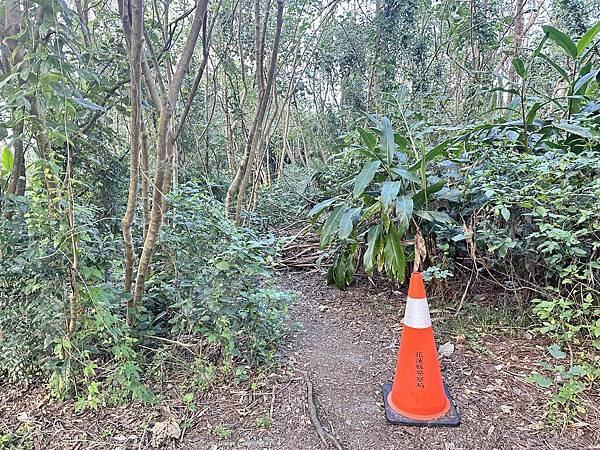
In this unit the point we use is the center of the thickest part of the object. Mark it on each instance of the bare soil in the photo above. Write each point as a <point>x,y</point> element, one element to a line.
<point>345,343</point>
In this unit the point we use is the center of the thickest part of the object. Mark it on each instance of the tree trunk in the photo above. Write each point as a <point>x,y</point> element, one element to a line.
<point>145,192</point>
<point>164,141</point>
<point>240,182</point>
<point>132,26</point>
<point>518,36</point>
<point>17,175</point>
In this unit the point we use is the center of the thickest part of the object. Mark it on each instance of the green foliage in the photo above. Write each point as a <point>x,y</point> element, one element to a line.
<point>390,196</point>
<point>530,199</point>
<point>21,439</point>
<point>567,381</point>
<point>222,431</point>
<point>34,295</point>
<point>284,200</point>
<point>216,280</point>
<point>523,181</point>
<point>213,279</point>
<point>534,216</point>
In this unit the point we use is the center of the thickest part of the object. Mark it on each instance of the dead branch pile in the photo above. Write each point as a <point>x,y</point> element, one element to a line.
<point>301,251</point>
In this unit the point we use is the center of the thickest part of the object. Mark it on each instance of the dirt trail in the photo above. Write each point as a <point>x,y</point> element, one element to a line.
<point>346,344</point>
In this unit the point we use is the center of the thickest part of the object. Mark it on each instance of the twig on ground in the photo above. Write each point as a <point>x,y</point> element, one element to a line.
<point>464,296</point>
<point>314,418</point>
<point>289,243</point>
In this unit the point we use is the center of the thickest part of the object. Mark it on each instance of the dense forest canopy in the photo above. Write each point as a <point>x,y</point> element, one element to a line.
<point>156,157</point>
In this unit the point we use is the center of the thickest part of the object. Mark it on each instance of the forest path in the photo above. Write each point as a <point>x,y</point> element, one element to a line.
<point>345,342</point>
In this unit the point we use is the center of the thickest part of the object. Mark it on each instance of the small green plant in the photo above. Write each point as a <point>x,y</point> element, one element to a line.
<point>567,382</point>
<point>264,422</point>
<point>21,439</point>
<point>222,431</point>
<point>188,400</point>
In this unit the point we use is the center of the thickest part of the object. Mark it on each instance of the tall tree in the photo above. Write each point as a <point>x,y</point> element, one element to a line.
<point>265,94</point>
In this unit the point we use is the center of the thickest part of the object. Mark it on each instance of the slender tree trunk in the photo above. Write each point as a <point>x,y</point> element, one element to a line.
<point>517,36</point>
<point>83,14</point>
<point>74,269</point>
<point>145,180</point>
<point>164,141</point>
<point>239,184</point>
<point>206,120</point>
<point>132,26</point>
<point>12,27</point>
<point>229,130</point>
<point>18,175</point>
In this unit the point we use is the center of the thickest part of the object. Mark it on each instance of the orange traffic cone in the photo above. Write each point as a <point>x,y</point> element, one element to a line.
<point>418,395</point>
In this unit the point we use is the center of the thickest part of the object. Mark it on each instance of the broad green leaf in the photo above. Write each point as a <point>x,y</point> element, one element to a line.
<point>561,39</point>
<point>331,225</point>
<point>393,254</point>
<point>404,210</point>
<point>556,352</point>
<point>371,211</point>
<point>389,192</point>
<point>386,221</point>
<point>519,66</point>
<point>532,112</point>
<point>505,213</point>
<point>512,108</point>
<point>401,141</point>
<point>430,155</point>
<point>421,197</point>
<point>540,380</point>
<point>563,73</point>
<point>585,79</point>
<point>387,143</point>
<point>435,216</point>
<point>7,159</point>
<point>577,371</point>
<point>319,207</point>
<point>373,240</point>
<point>450,195</point>
<point>346,224</point>
<point>88,105</point>
<point>350,269</point>
<point>406,174</point>
<point>222,265</point>
<point>331,275</point>
<point>365,177</point>
<point>368,138</point>
<point>340,273</point>
<point>587,37</point>
<point>575,129</point>
<point>401,94</point>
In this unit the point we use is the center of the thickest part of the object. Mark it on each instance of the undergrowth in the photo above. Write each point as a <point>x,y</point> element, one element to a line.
<point>210,288</point>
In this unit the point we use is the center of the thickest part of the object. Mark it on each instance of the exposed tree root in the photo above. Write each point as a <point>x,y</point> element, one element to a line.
<point>314,418</point>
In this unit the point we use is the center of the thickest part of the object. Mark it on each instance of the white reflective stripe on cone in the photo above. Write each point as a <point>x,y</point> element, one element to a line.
<point>416,314</point>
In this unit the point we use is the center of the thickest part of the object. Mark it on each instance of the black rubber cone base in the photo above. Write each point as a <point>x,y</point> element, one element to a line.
<point>450,419</point>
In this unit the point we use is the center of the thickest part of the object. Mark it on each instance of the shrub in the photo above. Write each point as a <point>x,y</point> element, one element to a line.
<point>284,201</point>
<point>215,279</point>
<point>367,222</point>
<point>209,280</point>
<point>534,218</point>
